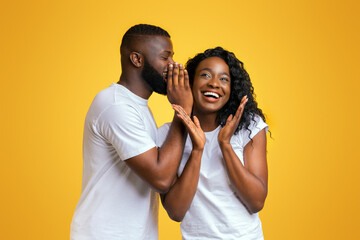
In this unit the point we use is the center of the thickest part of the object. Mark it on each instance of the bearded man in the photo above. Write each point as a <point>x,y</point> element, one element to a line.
<point>123,171</point>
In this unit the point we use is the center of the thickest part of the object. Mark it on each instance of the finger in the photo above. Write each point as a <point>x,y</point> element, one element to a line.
<point>190,126</point>
<point>177,108</point>
<point>187,122</point>
<point>175,74</point>
<point>186,79</point>
<point>197,122</point>
<point>228,120</point>
<point>169,77</point>
<point>241,107</point>
<point>244,100</point>
<point>183,118</point>
<point>238,111</point>
<point>173,106</point>
<point>181,75</point>
<point>181,111</point>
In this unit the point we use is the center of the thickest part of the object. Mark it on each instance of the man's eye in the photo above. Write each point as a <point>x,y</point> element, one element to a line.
<point>165,58</point>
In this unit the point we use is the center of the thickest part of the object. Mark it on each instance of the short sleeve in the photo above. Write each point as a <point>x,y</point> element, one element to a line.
<point>123,126</point>
<point>162,134</point>
<point>255,126</point>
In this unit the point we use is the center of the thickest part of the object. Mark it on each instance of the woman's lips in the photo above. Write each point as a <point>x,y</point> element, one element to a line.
<point>211,96</point>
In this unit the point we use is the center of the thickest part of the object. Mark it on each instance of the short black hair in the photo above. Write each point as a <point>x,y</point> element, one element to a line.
<point>146,29</point>
<point>142,30</point>
<point>240,86</point>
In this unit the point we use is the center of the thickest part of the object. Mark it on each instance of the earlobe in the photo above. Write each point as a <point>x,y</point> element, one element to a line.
<point>136,59</point>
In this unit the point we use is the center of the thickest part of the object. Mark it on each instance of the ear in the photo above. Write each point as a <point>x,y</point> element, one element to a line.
<point>137,59</point>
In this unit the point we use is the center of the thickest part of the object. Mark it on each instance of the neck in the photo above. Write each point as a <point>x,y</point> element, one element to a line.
<point>208,121</point>
<point>135,84</point>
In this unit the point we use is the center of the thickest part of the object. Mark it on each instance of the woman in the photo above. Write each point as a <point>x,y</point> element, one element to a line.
<point>222,181</point>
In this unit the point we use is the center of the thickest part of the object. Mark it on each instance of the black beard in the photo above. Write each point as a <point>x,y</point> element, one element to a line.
<point>153,78</point>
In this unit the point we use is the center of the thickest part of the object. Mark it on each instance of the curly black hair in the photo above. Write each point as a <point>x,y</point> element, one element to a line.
<point>240,86</point>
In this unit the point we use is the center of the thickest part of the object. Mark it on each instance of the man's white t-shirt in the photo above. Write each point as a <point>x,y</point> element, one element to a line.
<point>216,212</point>
<point>115,202</point>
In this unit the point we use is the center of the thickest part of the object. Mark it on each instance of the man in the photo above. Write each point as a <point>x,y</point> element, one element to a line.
<point>122,166</point>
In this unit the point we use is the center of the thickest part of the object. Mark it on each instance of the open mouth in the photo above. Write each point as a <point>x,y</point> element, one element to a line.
<point>211,95</point>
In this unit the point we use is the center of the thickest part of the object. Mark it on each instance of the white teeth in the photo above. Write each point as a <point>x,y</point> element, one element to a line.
<point>215,95</point>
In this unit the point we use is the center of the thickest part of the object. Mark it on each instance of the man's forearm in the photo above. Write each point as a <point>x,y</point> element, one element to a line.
<point>171,152</point>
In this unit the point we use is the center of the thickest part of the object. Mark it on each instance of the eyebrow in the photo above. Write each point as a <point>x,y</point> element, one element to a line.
<point>210,70</point>
<point>169,52</point>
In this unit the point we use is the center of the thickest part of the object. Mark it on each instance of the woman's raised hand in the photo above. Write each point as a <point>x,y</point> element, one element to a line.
<point>196,133</point>
<point>232,123</point>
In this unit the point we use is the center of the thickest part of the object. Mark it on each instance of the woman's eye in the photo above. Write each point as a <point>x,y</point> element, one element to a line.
<point>205,75</point>
<point>224,79</point>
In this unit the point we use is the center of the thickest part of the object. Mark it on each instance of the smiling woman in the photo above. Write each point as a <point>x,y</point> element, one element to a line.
<point>221,185</point>
<point>211,90</point>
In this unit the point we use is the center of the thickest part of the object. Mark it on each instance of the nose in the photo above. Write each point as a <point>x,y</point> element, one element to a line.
<point>214,82</point>
<point>171,60</point>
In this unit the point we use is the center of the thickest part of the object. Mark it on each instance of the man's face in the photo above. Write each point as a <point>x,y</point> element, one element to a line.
<point>153,78</point>
<point>157,57</point>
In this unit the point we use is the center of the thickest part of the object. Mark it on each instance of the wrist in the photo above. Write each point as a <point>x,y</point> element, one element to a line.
<point>197,151</point>
<point>224,143</point>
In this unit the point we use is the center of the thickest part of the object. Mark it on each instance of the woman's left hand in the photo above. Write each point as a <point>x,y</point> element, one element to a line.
<point>197,135</point>
<point>232,123</point>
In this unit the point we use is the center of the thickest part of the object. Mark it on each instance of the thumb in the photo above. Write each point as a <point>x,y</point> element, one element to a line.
<point>197,122</point>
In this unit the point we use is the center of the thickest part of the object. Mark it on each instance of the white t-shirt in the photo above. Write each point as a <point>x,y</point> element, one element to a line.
<point>115,202</point>
<point>216,212</point>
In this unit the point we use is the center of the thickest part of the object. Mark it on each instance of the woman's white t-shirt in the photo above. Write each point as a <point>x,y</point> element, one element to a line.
<point>216,212</point>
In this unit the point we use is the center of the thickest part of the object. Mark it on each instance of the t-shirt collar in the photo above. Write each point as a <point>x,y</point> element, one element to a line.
<point>133,96</point>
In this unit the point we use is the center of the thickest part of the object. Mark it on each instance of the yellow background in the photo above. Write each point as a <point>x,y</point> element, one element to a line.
<point>302,57</point>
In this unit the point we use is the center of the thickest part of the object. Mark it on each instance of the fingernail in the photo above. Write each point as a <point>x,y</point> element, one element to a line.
<point>170,66</point>
<point>181,65</point>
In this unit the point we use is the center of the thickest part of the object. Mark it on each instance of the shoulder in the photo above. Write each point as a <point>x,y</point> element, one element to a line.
<point>256,125</point>
<point>120,113</point>
<point>164,128</point>
<point>109,99</point>
<point>162,133</point>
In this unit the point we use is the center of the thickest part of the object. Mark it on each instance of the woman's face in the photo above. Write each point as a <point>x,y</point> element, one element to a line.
<point>211,85</point>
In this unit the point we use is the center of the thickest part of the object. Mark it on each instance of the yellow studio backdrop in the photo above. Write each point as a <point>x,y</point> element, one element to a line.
<point>302,57</point>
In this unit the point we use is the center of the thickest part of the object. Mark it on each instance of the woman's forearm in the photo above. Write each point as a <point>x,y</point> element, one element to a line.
<point>250,180</point>
<point>178,199</point>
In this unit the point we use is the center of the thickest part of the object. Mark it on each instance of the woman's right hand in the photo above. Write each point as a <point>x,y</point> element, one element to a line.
<point>197,135</point>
